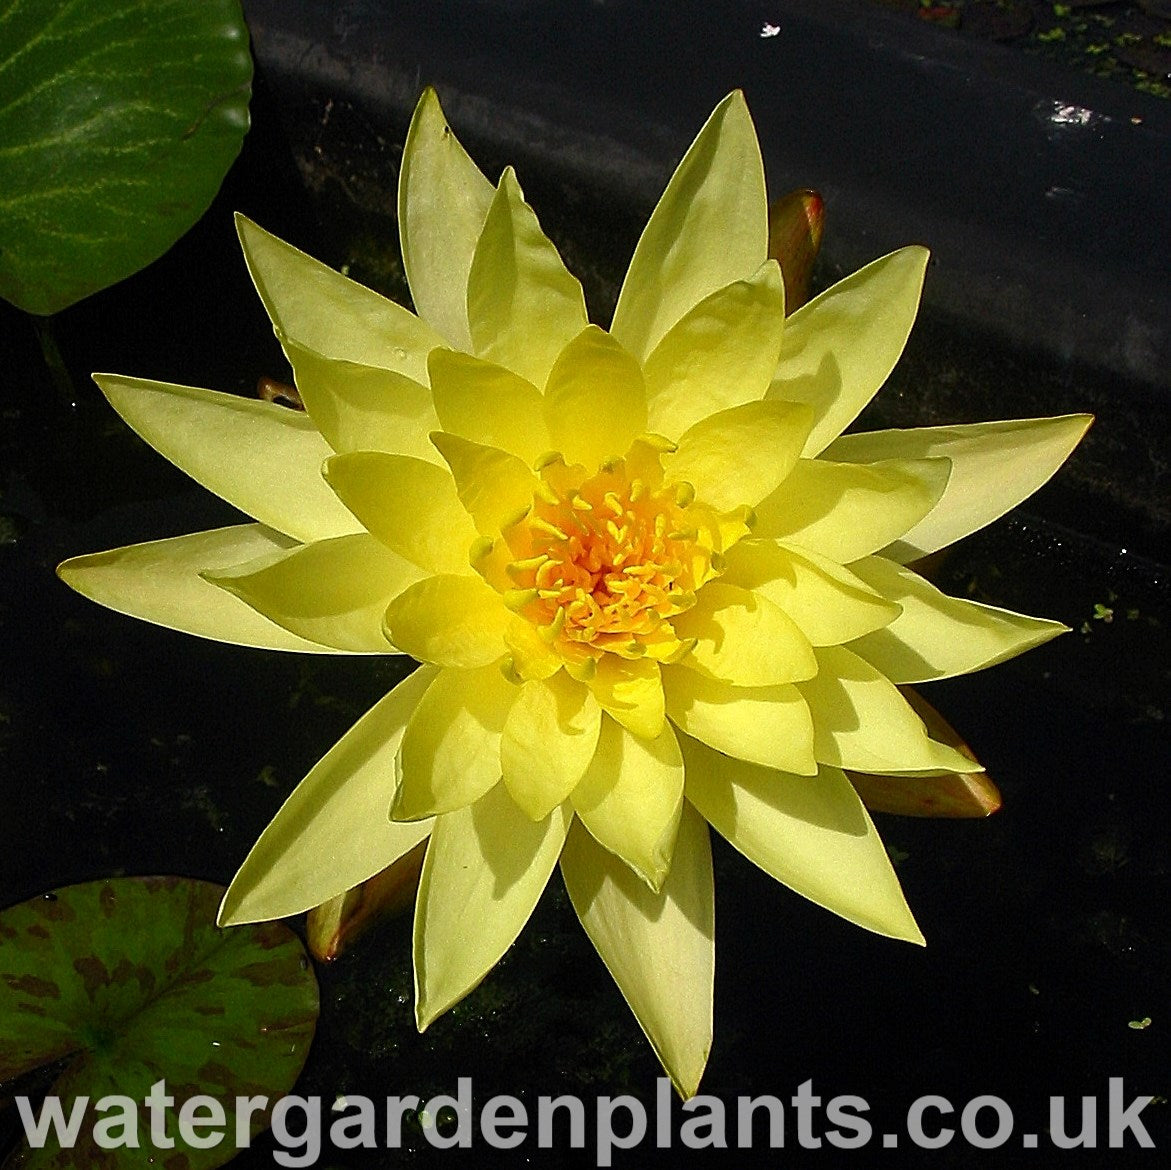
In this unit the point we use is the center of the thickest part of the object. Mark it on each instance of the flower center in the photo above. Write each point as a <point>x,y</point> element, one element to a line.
<point>605,561</point>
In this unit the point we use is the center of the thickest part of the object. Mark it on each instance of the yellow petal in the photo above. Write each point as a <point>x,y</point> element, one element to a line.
<point>861,722</point>
<point>595,400</point>
<point>313,306</point>
<point>443,200</point>
<point>486,868</point>
<point>488,404</point>
<point>631,691</point>
<point>523,304</point>
<point>452,621</point>
<point>809,832</point>
<point>549,739</point>
<point>845,511</point>
<point>262,458</point>
<point>995,466</point>
<point>492,484</point>
<point>829,603</point>
<point>763,725</point>
<point>710,228</point>
<point>411,506</point>
<point>744,638</point>
<point>532,656</point>
<point>741,454</point>
<point>839,349</point>
<point>937,636</point>
<point>660,948</point>
<point>720,354</point>
<point>160,582</point>
<point>332,591</point>
<point>332,832</point>
<point>450,752</point>
<point>364,408</point>
<point>631,797</point>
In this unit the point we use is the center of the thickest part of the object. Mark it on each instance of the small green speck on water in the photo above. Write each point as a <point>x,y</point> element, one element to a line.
<point>267,777</point>
<point>1140,1025</point>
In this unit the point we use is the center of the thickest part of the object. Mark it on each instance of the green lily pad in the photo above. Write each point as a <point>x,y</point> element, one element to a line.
<point>128,982</point>
<point>118,122</point>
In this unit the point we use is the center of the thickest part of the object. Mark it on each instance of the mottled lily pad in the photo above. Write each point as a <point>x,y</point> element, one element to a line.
<point>124,983</point>
<point>118,122</point>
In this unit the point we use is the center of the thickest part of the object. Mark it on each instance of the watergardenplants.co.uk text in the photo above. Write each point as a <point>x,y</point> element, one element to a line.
<point>301,1126</point>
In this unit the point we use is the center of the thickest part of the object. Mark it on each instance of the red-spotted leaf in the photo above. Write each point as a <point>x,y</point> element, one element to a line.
<point>120,984</point>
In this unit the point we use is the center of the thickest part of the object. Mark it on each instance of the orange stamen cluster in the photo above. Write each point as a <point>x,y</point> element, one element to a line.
<point>605,561</point>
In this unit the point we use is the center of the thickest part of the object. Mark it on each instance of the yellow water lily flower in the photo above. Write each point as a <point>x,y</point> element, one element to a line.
<point>652,585</point>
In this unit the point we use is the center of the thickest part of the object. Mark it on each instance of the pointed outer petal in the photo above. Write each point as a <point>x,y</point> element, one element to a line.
<point>840,348</point>
<point>262,458</point>
<point>995,466</point>
<point>770,726</point>
<point>452,621</point>
<point>317,308</point>
<point>945,794</point>
<point>159,582</point>
<point>411,506</point>
<point>631,691</point>
<point>523,304</point>
<point>486,868</point>
<point>740,455</point>
<point>847,510</point>
<point>486,403</point>
<point>631,797</point>
<point>744,638</point>
<point>333,832</point>
<point>937,636</point>
<point>443,200</point>
<point>828,602</point>
<point>953,795</point>
<point>364,408</point>
<point>492,484</point>
<point>334,926</point>
<point>861,722</point>
<point>450,753</point>
<point>332,591</point>
<point>549,739</point>
<point>595,399</point>
<point>660,948</point>
<point>809,832</point>
<point>939,728</point>
<point>720,354</point>
<point>709,229</point>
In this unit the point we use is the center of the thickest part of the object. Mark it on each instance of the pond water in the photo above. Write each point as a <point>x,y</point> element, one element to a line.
<point>126,749</point>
